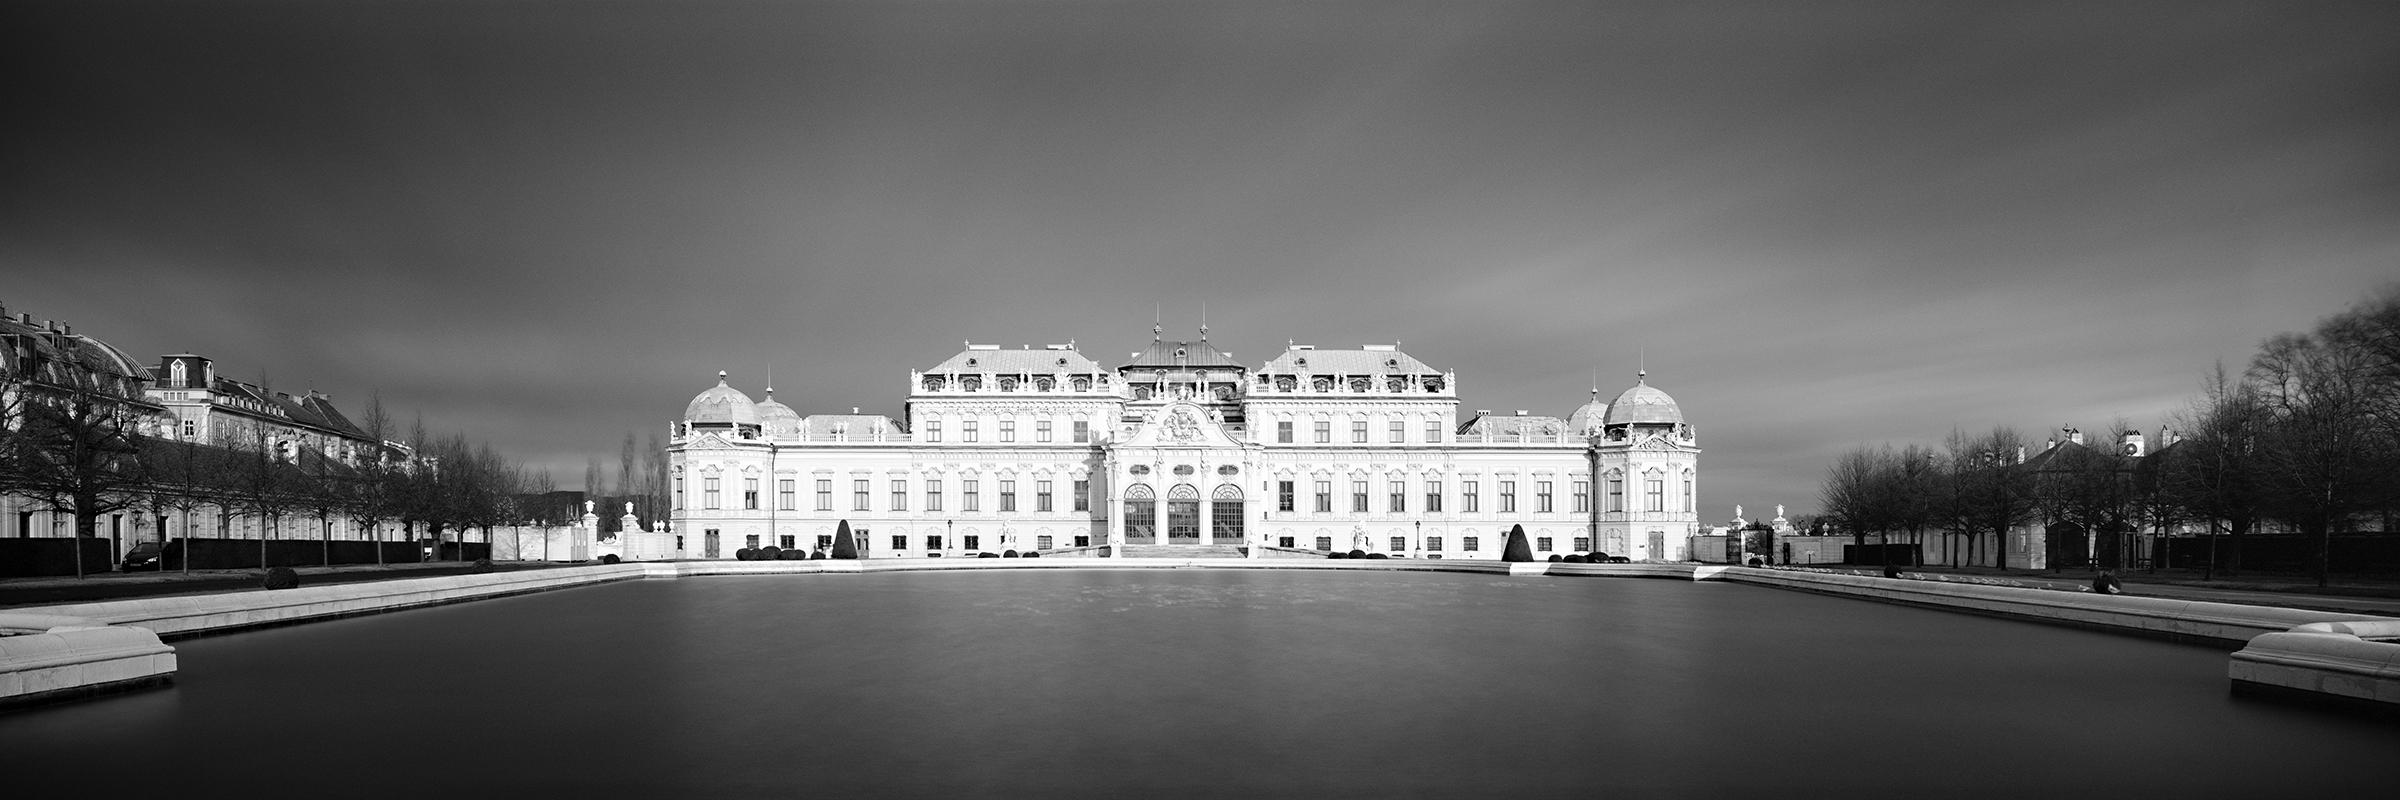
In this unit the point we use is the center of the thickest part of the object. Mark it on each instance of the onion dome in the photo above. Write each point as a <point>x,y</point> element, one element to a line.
<point>1644,405</point>
<point>721,405</point>
<point>777,418</point>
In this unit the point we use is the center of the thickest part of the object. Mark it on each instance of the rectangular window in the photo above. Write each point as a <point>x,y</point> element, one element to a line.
<point>1041,497</point>
<point>825,541</point>
<point>1324,498</point>
<point>824,495</point>
<point>1041,430</point>
<point>933,430</point>
<point>1583,498</point>
<point>1583,543</point>
<point>933,542</point>
<point>750,494</point>
<point>1616,493</point>
<point>1654,494</point>
<point>750,541</point>
<point>1687,493</point>
<point>788,541</point>
<point>1042,542</point>
<point>900,542</point>
<point>966,430</point>
<point>1433,497</point>
<point>1508,497</point>
<point>1358,497</point>
<point>1083,495</point>
<point>1283,495</point>
<point>1433,431</point>
<point>899,495</point>
<point>1472,543</point>
<point>787,494</point>
<point>933,497</point>
<point>973,542</point>
<point>969,499</point>
<point>1541,544</point>
<point>1083,432</point>
<point>191,428</point>
<point>858,495</point>
<point>1399,498</point>
<point>708,490</point>
<point>1324,431</point>
<point>1008,495</point>
<point>1325,543</point>
<point>1399,431</point>
<point>1008,430</point>
<point>1433,543</point>
<point>1358,431</point>
<point>678,491</point>
<point>1541,497</point>
<point>1470,496</point>
<point>1283,432</point>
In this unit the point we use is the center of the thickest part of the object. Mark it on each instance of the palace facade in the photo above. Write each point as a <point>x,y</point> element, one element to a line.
<point>1314,450</point>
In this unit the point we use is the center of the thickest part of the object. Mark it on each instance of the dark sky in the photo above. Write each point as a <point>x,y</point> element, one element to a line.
<point>1820,224</point>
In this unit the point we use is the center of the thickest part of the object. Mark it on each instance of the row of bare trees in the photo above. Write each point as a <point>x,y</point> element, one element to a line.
<point>2307,438</point>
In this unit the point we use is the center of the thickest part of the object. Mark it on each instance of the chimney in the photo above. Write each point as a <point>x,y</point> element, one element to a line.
<point>1483,412</point>
<point>2020,454</point>
<point>2074,434</point>
<point>2133,444</point>
<point>2166,437</point>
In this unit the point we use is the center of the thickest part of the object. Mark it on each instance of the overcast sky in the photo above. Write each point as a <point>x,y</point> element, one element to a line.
<point>548,224</point>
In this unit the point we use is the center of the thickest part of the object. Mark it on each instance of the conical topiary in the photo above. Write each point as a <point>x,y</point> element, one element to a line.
<point>843,547</point>
<point>1518,548</point>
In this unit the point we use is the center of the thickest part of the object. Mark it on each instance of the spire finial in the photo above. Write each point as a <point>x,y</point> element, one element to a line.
<point>1203,320</point>
<point>1641,360</point>
<point>1595,383</point>
<point>1158,318</point>
<point>720,376</point>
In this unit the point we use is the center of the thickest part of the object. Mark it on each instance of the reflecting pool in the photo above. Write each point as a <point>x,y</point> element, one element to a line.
<point>1230,683</point>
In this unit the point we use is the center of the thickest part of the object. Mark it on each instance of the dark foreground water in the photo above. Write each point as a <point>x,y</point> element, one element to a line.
<point>1187,683</point>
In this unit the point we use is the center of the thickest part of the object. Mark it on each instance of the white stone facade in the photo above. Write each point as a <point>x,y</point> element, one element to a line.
<point>1044,449</point>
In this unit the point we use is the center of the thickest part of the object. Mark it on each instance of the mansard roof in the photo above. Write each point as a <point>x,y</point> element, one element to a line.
<point>1162,354</point>
<point>314,410</point>
<point>1028,361</point>
<point>1527,427</point>
<point>1363,361</point>
<point>54,354</point>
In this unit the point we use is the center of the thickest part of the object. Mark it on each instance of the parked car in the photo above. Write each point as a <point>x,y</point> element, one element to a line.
<point>143,556</point>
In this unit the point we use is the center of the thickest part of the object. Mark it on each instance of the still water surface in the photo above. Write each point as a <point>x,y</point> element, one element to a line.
<point>1187,683</point>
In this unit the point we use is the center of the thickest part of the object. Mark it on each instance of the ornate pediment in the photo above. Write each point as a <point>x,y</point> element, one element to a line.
<point>1179,425</point>
<point>708,441</point>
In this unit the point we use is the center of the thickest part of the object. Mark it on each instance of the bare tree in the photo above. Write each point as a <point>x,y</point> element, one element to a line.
<point>77,449</point>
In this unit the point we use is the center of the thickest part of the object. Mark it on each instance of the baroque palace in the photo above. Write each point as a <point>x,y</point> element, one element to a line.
<point>1314,450</point>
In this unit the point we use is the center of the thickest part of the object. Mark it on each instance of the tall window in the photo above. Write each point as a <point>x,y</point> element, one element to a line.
<point>858,495</point>
<point>1399,498</point>
<point>750,494</point>
<point>1433,497</point>
<point>678,491</point>
<point>191,428</point>
<point>1358,431</point>
<point>1583,499</point>
<point>1041,430</point>
<point>1083,495</point>
<point>899,498</point>
<point>1324,431</point>
<point>1470,496</point>
<point>1616,493</point>
<point>1688,504</point>
<point>787,494</point>
<point>1008,495</point>
<point>1283,432</point>
<point>1008,430</point>
<point>933,430</point>
<point>968,498</point>
<point>824,494</point>
<point>1041,495</point>
<point>1283,495</point>
<point>1508,497</point>
<point>708,490</point>
<point>1358,497</point>
<point>966,430</point>
<point>933,502</point>
<point>1324,497</point>
<point>1654,494</point>
<point>1433,431</point>
<point>1083,432</point>
<point>1399,431</point>
<point>1541,497</point>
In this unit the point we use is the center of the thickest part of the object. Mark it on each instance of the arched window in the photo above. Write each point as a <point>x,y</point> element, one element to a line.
<point>1044,385</point>
<point>1183,513</point>
<point>1008,384</point>
<point>1225,516</point>
<point>1285,384</point>
<point>1082,384</point>
<point>1321,385</point>
<point>933,383</point>
<point>971,383</point>
<point>1141,515</point>
<point>1359,385</point>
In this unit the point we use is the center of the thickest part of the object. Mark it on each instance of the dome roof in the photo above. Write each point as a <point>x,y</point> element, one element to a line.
<point>779,419</point>
<point>1643,404</point>
<point>1588,419</point>
<point>721,405</point>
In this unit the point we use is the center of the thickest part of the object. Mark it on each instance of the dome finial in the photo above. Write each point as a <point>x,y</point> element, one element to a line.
<point>720,376</point>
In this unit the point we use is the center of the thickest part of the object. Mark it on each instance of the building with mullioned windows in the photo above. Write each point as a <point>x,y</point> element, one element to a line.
<point>1181,446</point>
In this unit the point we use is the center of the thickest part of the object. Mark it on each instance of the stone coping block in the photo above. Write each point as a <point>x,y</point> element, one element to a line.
<point>193,615</point>
<point>2224,624</point>
<point>46,657</point>
<point>2353,661</point>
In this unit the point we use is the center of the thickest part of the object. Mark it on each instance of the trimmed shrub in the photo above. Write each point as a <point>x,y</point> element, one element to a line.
<point>281,578</point>
<point>817,556</point>
<point>1378,555</point>
<point>843,545</point>
<point>794,554</point>
<point>770,553</point>
<point>1033,554</point>
<point>1008,554</point>
<point>1556,558</point>
<point>1358,553</point>
<point>610,558</point>
<point>987,555</point>
<point>744,554</point>
<point>1337,554</point>
<point>480,565</point>
<point>1518,549</point>
<point>1576,559</point>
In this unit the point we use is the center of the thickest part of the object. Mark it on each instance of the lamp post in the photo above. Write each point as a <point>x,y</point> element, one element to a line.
<point>1417,550</point>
